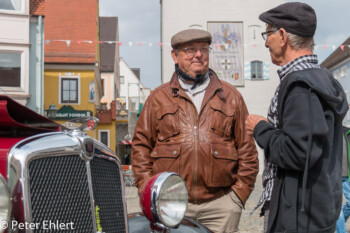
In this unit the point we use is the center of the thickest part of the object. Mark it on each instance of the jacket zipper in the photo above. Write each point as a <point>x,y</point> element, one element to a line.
<point>195,155</point>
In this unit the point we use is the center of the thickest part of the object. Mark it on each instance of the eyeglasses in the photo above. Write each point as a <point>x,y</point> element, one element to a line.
<point>191,51</point>
<point>267,33</point>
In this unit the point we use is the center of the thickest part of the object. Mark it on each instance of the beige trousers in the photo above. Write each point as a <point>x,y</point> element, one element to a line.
<point>221,215</point>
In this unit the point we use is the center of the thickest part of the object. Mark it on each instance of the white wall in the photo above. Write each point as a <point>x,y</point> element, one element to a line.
<point>14,38</point>
<point>257,94</point>
<point>109,87</point>
<point>132,87</point>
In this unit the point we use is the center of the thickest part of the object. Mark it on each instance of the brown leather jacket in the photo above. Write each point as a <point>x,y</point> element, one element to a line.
<point>210,150</point>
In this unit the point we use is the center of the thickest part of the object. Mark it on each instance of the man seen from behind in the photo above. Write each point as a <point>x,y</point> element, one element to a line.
<point>302,137</point>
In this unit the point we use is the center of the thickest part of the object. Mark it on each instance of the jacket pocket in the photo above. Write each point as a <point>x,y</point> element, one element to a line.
<point>167,121</point>
<point>222,164</point>
<point>221,119</point>
<point>288,211</point>
<point>166,158</point>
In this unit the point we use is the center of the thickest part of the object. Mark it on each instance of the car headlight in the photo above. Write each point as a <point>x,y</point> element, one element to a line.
<point>5,204</point>
<point>164,199</point>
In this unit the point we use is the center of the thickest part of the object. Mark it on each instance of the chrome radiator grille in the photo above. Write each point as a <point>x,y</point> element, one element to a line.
<point>107,193</point>
<point>59,191</point>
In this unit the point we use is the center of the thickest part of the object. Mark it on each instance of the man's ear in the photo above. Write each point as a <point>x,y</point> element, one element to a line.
<point>283,34</point>
<point>173,55</point>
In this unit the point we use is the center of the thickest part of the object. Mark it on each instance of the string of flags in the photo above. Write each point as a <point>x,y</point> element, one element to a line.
<point>160,44</point>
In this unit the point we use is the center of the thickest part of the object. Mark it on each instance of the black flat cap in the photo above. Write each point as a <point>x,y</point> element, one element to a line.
<point>190,35</point>
<point>295,17</point>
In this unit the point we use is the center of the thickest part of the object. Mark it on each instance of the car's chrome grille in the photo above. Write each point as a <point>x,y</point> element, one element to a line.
<point>60,192</point>
<point>108,195</point>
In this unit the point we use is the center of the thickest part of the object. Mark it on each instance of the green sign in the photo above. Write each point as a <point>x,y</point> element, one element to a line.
<point>68,112</point>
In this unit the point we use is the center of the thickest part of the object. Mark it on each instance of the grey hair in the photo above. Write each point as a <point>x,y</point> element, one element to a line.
<point>298,42</point>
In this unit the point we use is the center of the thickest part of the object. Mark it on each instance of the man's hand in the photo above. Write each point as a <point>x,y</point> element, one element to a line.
<point>251,121</point>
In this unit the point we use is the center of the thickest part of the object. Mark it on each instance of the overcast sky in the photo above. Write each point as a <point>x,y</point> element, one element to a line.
<point>139,21</point>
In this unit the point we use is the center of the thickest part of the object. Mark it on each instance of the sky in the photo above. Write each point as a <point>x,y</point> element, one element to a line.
<point>139,21</point>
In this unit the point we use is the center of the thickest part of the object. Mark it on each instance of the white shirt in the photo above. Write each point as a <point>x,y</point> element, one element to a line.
<point>197,94</point>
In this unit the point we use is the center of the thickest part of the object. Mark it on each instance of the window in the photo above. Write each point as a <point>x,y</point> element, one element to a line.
<point>336,74</point>
<point>103,79</point>
<point>69,90</point>
<point>121,79</point>
<point>13,5</point>
<point>104,137</point>
<point>343,71</point>
<point>10,69</point>
<point>256,68</point>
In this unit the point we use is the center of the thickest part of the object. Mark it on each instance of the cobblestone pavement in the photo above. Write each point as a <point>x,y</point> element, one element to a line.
<point>248,224</point>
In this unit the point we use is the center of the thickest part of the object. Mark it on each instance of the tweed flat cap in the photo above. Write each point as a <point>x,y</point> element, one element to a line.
<point>295,17</point>
<point>190,35</point>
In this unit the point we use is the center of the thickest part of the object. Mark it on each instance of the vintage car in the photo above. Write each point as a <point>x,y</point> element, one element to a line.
<point>58,180</point>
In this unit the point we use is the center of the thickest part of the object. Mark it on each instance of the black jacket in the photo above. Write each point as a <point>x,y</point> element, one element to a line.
<point>307,149</point>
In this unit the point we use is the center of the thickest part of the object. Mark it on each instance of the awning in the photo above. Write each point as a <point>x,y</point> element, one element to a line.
<point>125,142</point>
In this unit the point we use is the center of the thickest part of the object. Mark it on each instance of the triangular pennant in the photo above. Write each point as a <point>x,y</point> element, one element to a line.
<point>79,41</point>
<point>160,44</point>
<point>100,42</point>
<point>47,41</point>
<point>130,43</point>
<point>216,45</point>
<point>333,47</point>
<point>110,42</point>
<point>68,42</point>
<point>140,43</point>
<point>150,44</point>
<point>342,47</point>
<point>324,46</point>
<point>120,43</point>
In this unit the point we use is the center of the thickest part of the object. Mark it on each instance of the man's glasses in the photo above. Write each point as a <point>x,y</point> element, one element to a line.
<point>267,33</point>
<point>191,51</point>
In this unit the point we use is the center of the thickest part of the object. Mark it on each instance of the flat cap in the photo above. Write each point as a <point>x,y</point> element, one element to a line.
<point>295,17</point>
<point>190,35</point>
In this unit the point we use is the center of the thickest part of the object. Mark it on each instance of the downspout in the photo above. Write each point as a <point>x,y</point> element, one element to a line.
<point>39,69</point>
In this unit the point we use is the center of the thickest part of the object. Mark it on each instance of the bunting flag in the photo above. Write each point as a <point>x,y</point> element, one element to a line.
<point>215,46</point>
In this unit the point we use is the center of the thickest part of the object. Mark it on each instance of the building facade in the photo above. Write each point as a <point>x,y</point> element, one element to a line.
<point>238,51</point>
<point>72,79</point>
<point>14,49</point>
<point>109,67</point>
<point>338,63</point>
<point>133,95</point>
<point>36,56</point>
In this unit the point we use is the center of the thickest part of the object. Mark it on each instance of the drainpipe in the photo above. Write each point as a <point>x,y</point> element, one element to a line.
<point>39,69</point>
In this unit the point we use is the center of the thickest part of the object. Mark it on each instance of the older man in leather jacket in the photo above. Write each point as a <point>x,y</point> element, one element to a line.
<point>194,126</point>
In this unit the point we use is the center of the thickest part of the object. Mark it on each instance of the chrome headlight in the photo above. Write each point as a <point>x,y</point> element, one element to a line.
<point>164,199</point>
<point>5,204</point>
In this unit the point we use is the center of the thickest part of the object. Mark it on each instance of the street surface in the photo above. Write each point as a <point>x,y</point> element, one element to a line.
<point>248,224</point>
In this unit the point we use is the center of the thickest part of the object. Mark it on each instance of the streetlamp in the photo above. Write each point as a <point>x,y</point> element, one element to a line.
<point>51,113</point>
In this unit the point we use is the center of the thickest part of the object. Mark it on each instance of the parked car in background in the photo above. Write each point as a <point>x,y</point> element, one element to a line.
<point>57,180</point>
